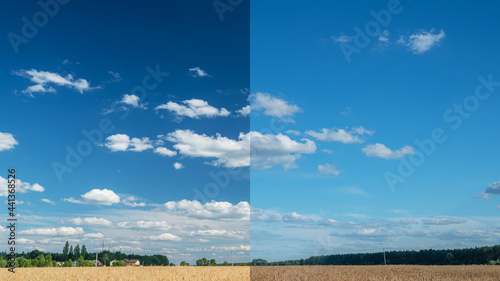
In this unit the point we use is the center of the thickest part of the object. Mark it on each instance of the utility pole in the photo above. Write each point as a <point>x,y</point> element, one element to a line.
<point>102,250</point>
<point>95,259</point>
<point>385,262</point>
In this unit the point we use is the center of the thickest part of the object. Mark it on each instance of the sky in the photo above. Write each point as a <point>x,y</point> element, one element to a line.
<point>126,125</point>
<point>277,130</point>
<point>386,123</point>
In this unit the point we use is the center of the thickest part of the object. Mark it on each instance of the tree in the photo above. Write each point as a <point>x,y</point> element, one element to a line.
<point>259,262</point>
<point>213,262</point>
<point>48,260</point>
<point>66,251</point>
<point>183,263</point>
<point>84,252</point>
<point>79,261</point>
<point>225,263</point>
<point>202,262</point>
<point>70,254</point>
<point>40,261</point>
<point>3,263</point>
<point>68,263</point>
<point>76,251</point>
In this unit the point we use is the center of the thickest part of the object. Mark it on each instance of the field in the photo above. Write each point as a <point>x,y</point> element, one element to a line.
<point>288,273</point>
<point>167,273</point>
<point>365,273</point>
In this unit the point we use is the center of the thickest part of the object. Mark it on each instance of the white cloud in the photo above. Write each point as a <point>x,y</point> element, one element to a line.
<point>209,210</point>
<point>341,135</point>
<point>7,141</point>
<point>97,197</point>
<point>48,201</point>
<point>328,169</point>
<point>145,224</point>
<point>293,132</point>
<point>273,106</point>
<point>491,190</point>
<point>43,78</point>
<point>166,237</point>
<point>198,72</point>
<point>422,41</point>
<point>342,38</point>
<point>443,221</point>
<point>130,201</point>
<point>178,166</point>
<point>244,111</point>
<point>24,241</point>
<point>93,235</point>
<point>294,217</point>
<point>21,187</point>
<point>133,101</point>
<point>90,221</point>
<point>163,151</point>
<point>382,151</point>
<point>193,108</point>
<point>64,231</point>
<point>122,142</point>
<point>228,152</point>
<point>271,150</point>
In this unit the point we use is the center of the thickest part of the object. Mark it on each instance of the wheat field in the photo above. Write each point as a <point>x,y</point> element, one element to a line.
<point>167,273</point>
<point>376,273</point>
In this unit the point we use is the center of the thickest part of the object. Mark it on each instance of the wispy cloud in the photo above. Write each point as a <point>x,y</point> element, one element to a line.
<point>382,151</point>
<point>198,72</point>
<point>421,41</point>
<point>44,81</point>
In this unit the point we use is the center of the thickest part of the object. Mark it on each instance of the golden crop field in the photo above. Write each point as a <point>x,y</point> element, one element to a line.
<point>167,273</point>
<point>377,272</point>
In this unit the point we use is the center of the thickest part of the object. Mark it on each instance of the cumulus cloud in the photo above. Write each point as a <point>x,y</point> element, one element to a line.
<point>21,187</point>
<point>273,106</point>
<point>133,101</point>
<point>131,201</point>
<point>244,111</point>
<point>341,135</point>
<point>193,108</point>
<point>122,142</point>
<point>166,237</point>
<point>382,151</point>
<point>48,201</point>
<point>269,150</point>
<point>7,141</point>
<point>96,197</point>
<point>93,235</point>
<point>90,221</point>
<point>491,190</point>
<point>144,224</point>
<point>198,72</point>
<point>24,241</point>
<point>178,166</point>
<point>43,80</point>
<point>229,153</point>
<point>422,41</point>
<point>163,151</point>
<point>294,217</point>
<point>209,210</point>
<point>328,169</point>
<point>293,132</point>
<point>63,231</point>
<point>442,221</point>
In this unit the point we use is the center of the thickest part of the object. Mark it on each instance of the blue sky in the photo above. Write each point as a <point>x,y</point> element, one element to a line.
<point>374,104</point>
<point>88,65</point>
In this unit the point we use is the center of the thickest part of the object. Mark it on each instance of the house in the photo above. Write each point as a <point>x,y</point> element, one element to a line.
<point>132,262</point>
<point>60,263</point>
<point>112,262</point>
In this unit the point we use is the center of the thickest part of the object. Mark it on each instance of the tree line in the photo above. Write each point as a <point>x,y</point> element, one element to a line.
<point>467,256</point>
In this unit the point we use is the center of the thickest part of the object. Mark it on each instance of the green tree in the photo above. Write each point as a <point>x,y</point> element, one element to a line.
<point>225,263</point>
<point>79,261</point>
<point>66,251</point>
<point>34,263</point>
<point>48,260</point>
<point>76,251</point>
<point>183,263</point>
<point>213,262</point>
<point>84,252</point>
<point>3,263</point>
<point>68,263</point>
<point>70,254</point>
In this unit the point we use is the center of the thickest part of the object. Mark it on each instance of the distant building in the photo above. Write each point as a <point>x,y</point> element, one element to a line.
<point>132,262</point>
<point>112,262</point>
<point>59,263</point>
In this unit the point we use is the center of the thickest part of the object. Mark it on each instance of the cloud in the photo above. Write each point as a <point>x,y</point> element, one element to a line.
<point>96,197</point>
<point>63,231</point>
<point>293,132</point>
<point>342,38</point>
<point>382,151</point>
<point>122,142</point>
<point>273,106</point>
<point>7,141</point>
<point>145,224</point>
<point>163,151</point>
<point>443,221</point>
<point>43,79</point>
<point>245,111</point>
<point>116,77</point>
<point>90,221</point>
<point>271,150</point>
<point>341,135</point>
<point>228,152</point>
<point>166,237</point>
<point>193,108</point>
<point>328,169</point>
<point>93,235</point>
<point>422,41</point>
<point>133,101</point>
<point>352,190</point>
<point>198,72</point>
<point>48,201</point>
<point>21,187</point>
<point>24,241</point>
<point>294,217</point>
<point>491,190</point>
<point>130,201</point>
<point>209,210</point>
<point>178,166</point>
